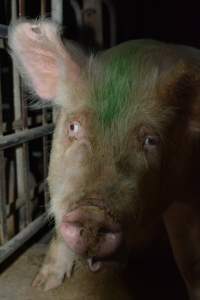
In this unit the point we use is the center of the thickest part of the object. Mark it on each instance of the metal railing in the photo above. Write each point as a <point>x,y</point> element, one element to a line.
<point>20,188</point>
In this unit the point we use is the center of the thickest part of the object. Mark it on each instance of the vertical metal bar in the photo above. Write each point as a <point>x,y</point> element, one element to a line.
<point>26,167</point>
<point>92,17</point>
<point>21,8</point>
<point>25,150</point>
<point>76,7</point>
<point>57,16</point>
<point>3,220</point>
<point>10,194</point>
<point>57,11</point>
<point>45,138</point>
<point>113,22</point>
<point>45,159</point>
<point>43,7</point>
<point>21,152</point>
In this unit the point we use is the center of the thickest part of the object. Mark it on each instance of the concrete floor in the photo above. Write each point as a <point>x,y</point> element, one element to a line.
<point>15,281</point>
<point>155,277</point>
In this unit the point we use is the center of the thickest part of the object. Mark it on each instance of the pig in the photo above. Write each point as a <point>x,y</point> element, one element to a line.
<point>125,149</point>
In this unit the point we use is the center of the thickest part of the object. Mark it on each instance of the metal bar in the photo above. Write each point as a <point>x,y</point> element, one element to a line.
<point>17,205</point>
<point>3,219</point>
<point>23,158</point>
<point>113,22</point>
<point>18,118</point>
<point>43,6</point>
<point>76,7</point>
<point>45,139</point>
<point>3,31</point>
<point>26,166</point>
<point>57,16</point>
<point>24,136</point>
<point>57,11</point>
<point>20,138</point>
<point>21,8</point>
<point>45,170</point>
<point>11,197</point>
<point>92,17</point>
<point>15,243</point>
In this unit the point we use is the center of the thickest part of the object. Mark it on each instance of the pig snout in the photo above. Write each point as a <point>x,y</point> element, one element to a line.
<point>90,231</point>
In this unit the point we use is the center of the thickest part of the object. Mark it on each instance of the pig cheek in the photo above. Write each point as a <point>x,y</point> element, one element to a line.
<point>153,158</point>
<point>74,157</point>
<point>78,153</point>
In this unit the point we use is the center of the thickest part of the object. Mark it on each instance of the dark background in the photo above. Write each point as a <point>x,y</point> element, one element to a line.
<point>171,21</point>
<point>167,20</point>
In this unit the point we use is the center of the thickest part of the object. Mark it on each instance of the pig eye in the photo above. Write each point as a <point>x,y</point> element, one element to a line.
<point>152,150</point>
<point>73,128</point>
<point>151,141</point>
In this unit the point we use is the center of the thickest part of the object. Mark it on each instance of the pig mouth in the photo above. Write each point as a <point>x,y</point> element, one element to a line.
<point>91,232</point>
<point>96,263</point>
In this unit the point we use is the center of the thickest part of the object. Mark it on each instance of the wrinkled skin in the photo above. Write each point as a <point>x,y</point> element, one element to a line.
<point>125,149</point>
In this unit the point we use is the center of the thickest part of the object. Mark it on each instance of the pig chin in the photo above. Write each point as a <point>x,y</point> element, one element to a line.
<point>92,233</point>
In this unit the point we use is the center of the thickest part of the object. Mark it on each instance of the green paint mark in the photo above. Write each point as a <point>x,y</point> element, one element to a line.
<point>111,93</point>
<point>117,79</point>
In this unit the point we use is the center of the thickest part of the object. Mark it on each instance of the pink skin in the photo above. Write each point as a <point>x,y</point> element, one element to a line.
<point>108,233</point>
<point>42,55</point>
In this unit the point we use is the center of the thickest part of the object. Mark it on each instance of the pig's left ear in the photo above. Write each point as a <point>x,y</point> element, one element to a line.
<point>194,109</point>
<point>189,100</point>
<point>184,91</point>
<point>43,61</point>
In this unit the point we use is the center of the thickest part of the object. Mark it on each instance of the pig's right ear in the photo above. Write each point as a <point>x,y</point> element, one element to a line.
<point>42,59</point>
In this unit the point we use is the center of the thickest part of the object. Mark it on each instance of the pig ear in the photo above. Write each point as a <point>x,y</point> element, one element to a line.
<point>183,93</point>
<point>42,58</point>
<point>188,98</point>
<point>194,118</point>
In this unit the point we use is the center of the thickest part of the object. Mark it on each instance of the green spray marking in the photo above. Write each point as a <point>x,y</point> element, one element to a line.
<point>116,83</point>
<point>112,92</point>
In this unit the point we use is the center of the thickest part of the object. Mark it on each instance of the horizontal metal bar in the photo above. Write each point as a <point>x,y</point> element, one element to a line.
<point>15,243</point>
<point>24,136</point>
<point>3,31</point>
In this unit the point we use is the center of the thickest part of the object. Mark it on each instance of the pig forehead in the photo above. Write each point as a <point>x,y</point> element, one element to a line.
<point>126,81</point>
<point>123,82</point>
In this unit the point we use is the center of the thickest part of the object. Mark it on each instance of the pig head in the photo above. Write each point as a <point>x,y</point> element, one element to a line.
<point>126,140</point>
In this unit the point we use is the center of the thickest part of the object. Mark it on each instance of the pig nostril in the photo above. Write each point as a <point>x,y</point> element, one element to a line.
<point>89,232</point>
